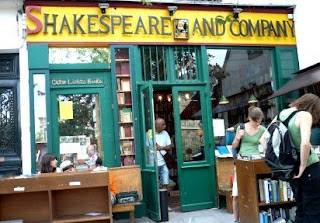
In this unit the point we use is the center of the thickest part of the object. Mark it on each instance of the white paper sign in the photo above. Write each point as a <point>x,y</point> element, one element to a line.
<point>218,127</point>
<point>18,189</point>
<point>75,183</point>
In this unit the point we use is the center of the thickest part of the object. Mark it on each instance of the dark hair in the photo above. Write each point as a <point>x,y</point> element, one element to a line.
<point>99,161</point>
<point>309,103</point>
<point>255,113</point>
<point>45,163</point>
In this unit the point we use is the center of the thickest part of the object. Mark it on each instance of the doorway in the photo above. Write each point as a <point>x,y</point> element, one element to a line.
<point>163,108</point>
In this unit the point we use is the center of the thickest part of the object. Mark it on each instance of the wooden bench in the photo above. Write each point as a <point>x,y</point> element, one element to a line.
<point>225,169</point>
<point>126,179</point>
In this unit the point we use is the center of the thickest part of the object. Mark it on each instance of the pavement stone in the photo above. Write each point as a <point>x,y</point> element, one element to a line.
<point>213,215</point>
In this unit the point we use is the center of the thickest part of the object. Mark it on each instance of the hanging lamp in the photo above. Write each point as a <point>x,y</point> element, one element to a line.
<point>252,99</point>
<point>223,100</point>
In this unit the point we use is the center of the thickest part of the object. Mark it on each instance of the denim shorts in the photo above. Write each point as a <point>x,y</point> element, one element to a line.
<point>163,174</point>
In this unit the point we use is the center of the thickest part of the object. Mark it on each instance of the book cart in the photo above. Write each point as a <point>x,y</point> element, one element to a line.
<point>251,202</point>
<point>56,197</point>
<point>124,99</point>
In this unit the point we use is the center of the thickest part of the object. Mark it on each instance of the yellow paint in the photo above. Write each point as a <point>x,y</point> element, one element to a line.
<point>65,110</point>
<point>119,37</point>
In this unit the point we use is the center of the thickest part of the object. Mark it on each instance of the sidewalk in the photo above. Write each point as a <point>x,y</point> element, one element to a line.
<point>204,216</point>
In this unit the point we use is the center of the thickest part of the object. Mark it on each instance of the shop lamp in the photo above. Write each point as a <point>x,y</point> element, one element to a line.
<point>223,100</point>
<point>103,7</point>
<point>252,99</point>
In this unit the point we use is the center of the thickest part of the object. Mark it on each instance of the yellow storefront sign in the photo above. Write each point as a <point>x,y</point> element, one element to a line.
<point>155,26</point>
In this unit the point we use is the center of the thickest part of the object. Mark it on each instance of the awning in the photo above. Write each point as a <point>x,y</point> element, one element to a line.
<point>306,77</point>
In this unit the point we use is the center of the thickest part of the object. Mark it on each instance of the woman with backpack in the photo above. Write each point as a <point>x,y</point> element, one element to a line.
<point>248,139</point>
<point>306,184</point>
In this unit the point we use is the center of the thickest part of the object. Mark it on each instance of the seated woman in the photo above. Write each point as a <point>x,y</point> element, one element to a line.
<point>49,163</point>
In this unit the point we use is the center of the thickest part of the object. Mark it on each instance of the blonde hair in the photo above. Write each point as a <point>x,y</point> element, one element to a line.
<point>309,103</point>
<point>255,113</point>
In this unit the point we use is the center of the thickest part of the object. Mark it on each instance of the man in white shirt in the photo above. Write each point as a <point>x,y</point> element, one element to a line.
<point>163,144</point>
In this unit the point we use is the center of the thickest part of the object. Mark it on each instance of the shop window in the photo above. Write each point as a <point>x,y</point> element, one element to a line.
<point>40,117</point>
<point>191,126</point>
<point>154,63</point>
<point>185,63</point>
<point>79,126</point>
<point>79,55</point>
<point>239,75</point>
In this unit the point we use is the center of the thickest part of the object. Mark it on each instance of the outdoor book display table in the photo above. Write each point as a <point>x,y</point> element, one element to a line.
<point>56,197</point>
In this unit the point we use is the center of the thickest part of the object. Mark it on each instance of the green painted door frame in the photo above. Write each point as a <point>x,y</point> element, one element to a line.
<point>103,89</point>
<point>196,178</point>
<point>149,165</point>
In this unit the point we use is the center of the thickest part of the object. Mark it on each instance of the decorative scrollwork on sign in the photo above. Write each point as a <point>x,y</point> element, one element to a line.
<point>7,121</point>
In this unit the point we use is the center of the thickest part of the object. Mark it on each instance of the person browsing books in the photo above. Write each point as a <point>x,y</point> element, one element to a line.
<point>250,138</point>
<point>163,145</point>
<point>306,184</point>
<point>92,156</point>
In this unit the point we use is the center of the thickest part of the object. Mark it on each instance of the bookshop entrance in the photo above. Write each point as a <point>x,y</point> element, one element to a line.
<point>185,111</point>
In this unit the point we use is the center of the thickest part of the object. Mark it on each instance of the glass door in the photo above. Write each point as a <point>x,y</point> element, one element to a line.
<point>194,148</point>
<point>80,133</point>
<point>149,153</point>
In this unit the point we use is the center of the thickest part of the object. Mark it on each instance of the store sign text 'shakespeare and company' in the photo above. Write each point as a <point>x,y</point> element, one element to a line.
<point>147,25</point>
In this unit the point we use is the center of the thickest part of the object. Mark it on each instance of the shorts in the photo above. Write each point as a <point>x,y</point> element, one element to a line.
<point>163,174</point>
<point>235,185</point>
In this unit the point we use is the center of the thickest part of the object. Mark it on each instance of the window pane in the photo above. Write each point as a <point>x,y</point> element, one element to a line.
<point>150,148</point>
<point>185,63</point>
<point>191,126</point>
<point>237,75</point>
<point>78,55</point>
<point>79,127</point>
<point>40,117</point>
<point>153,63</point>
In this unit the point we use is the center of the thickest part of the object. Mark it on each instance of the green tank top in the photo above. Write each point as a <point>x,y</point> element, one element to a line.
<point>250,144</point>
<point>296,135</point>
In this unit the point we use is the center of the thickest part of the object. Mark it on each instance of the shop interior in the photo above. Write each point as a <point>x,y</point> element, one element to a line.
<point>163,108</point>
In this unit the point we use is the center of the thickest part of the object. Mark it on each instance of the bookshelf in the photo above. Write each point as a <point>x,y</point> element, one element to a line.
<point>56,197</point>
<point>249,173</point>
<point>124,99</point>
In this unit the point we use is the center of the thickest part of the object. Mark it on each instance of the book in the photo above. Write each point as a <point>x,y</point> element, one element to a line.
<point>279,220</point>
<point>281,190</point>
<point>127,131</point>
<point>274,190</point>
<point>126,115</point>
<point>126,147</point>
<point>261,191</point>
<point>125,84</point>
<point>266,190</point>
<point>118,84</point>
<point>121,98</point>
<point>261,217</point>
<point>223,150</point>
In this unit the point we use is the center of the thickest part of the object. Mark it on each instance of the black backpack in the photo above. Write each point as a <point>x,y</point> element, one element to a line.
<point>282,156</point>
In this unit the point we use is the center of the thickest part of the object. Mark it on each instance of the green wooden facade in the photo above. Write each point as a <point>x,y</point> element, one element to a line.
<point>194,196</point>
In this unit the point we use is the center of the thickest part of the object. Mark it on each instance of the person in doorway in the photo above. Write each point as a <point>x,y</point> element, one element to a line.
<point>306,184</point>
<point>49,163</point>
<point>67,166</point>
<point>92,156</point>
<point>163,145</point>
<point>250,138</point>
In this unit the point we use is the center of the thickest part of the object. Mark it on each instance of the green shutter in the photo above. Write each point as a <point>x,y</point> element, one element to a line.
<point>287,65</point>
